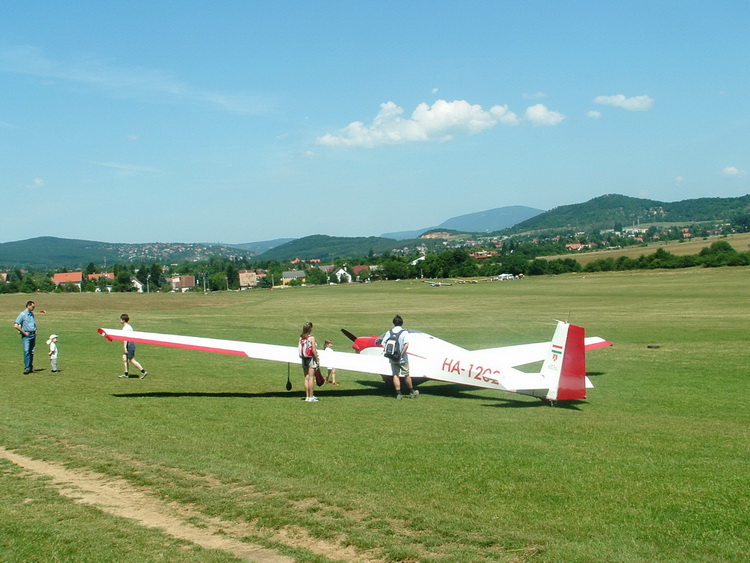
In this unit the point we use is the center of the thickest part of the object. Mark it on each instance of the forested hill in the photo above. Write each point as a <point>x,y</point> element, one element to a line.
<point>52,252</point>
<point>326,247</point>
<point>605,211</point>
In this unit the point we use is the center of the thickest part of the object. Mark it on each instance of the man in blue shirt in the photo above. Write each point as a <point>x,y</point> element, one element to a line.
<point>26,325</point>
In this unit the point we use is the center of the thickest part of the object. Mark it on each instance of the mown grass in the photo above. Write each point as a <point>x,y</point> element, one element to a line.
<point>652,467</point>
<point>740,242</point>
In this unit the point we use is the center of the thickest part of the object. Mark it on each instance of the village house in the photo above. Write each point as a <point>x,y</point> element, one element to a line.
<point>248,278</point>
<point>109,277</point>
<point>575,246</point>
<point>288,276</point>
<point>357,271</point>
<point>74,278</point>
<point>483,254</point>
<point>182,283</point>
<point>307,261</point>
<point>99,275</point>
<point>343,276</point>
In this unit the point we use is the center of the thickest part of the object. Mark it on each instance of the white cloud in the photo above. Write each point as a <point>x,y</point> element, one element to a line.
<point>127,169</point>
<point>733,171</point>
<point>535,96</point>
<point>440,121</point>
<point>35,184</point>
<point>679,180</point>
<point>635,103</point>
<point>594,114</point>
<point>539,115</point>
<point>125,82</point>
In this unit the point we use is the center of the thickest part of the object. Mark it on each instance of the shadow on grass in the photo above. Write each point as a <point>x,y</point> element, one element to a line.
<point>293,394</point>
<point>466,392</point>
<point>369,389</point>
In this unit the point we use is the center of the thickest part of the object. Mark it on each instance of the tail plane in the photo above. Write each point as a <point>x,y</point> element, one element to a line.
<point>564,368</point>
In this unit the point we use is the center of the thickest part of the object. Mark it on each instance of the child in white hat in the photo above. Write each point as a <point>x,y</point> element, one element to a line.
<point>52,343</point>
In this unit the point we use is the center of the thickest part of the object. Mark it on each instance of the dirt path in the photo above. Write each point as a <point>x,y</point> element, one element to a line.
<point>120,498</point>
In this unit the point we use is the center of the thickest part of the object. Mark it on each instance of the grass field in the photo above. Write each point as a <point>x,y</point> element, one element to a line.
<point>651,467</point>
<point>740,242</point>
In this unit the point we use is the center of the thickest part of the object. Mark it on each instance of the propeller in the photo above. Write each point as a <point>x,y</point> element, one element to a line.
<point>288,381</point>
<point>349,335</point>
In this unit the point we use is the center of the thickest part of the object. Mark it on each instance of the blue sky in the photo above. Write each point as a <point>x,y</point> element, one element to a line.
<point>242,121</point>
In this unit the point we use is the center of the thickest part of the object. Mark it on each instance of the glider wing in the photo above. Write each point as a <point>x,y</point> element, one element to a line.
<point>274,352</point>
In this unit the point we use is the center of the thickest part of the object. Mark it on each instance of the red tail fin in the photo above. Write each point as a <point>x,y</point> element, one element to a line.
<point>565,366</point>
<point>572,383</point>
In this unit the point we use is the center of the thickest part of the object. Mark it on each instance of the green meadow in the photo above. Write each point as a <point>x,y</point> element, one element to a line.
<point>653,466</point>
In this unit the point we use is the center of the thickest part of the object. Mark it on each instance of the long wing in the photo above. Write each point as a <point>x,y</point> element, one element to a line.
<point>274,352</point>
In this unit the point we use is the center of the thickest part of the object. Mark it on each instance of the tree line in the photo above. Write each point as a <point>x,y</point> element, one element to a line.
<point>220,273</point>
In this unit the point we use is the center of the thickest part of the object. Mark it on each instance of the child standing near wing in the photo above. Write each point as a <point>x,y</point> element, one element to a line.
<point>331,375</point>
<point>52,343</point>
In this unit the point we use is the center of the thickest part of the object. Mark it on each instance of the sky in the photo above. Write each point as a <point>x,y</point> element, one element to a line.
<point>242,121</point>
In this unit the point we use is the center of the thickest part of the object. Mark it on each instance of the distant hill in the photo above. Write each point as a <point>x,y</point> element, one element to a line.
<point>262,246</point>
<point>605,211</point>
<point>52,252</point>
<point>480,222</point>
<point>490,220</point>
<point>326,247</point>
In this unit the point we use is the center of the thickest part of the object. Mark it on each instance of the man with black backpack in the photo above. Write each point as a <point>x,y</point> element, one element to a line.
<point>395,344</point>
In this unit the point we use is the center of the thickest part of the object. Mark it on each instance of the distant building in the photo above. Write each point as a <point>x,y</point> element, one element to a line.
<point>99,275</point>
<point>290,275</point>
<point>483,254</point>
<point>575,246</point>
<point>182,283</point>
<point>343,276</point>
<point>74,278</point>
<point>359,270</point>
<point>248,278</point>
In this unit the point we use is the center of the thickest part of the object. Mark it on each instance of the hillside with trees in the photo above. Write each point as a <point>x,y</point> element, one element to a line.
<point>29,265</point>
<point>611,211</point>
<point>52,252</point>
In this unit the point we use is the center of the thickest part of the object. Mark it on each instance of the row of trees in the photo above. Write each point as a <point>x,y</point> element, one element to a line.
<point>459,264</point>
<point>220,273</point>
